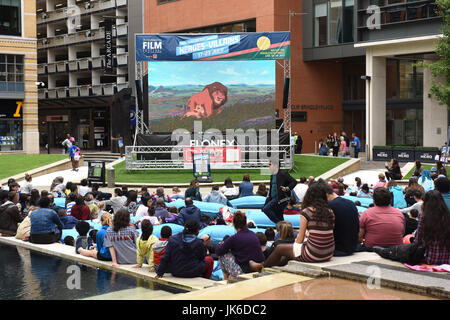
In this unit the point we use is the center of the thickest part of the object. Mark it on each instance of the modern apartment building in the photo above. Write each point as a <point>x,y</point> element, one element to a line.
<point>18,92</point>
<point>74,65</point>
<point>332,46</point>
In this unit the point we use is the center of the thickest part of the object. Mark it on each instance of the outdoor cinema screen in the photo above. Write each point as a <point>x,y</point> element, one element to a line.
<point>222,94</point>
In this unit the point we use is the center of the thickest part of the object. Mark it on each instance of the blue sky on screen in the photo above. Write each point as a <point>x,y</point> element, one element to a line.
<point>173,73</point>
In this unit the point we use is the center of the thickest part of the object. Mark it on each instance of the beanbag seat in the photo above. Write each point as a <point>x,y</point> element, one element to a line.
<point>217,232</point>
<point>60,202</point>
<point>365,202</point>
<point>217,274</point>
<point>210,209</point>
<point>176,228</point>
<point>249,202</point>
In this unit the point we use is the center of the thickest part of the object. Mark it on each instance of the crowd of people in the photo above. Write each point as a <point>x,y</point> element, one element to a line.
<point>339,145</point>
<point>330,222</point>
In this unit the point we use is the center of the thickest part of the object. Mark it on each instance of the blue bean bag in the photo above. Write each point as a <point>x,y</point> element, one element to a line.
<point>260,219</point>
<point>361,209</point>
<point>60,202</point>
<point>176,228</point>
<point>69,232</point>
<point>294,219</point>
<point>365,202</point>
<point>250,202</point>
<point>217,232</point>
<point>217,274</point>
<point>208,208</point>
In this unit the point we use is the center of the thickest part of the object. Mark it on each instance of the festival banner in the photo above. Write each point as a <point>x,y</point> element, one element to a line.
<point>221,46</point>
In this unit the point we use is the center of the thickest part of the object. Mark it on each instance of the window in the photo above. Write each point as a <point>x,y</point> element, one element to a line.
<point>165,1</point>
<point>11,70</point>
<point>244,26</point>
<point>298,116</point>
<point>333,22</point>
<point>320,24</point>
<point>10,17</point>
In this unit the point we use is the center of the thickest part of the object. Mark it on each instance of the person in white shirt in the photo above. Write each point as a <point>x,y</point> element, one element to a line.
<point>142,210</point>
<point>300,189</point>
<point>27,186</point>
<point>83,189</point>
<point>229,190</point>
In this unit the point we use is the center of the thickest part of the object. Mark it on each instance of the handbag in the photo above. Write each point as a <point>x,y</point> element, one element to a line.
<point>411,254</point>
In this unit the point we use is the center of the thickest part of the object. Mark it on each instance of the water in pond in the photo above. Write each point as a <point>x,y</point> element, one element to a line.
<point>26,275</point>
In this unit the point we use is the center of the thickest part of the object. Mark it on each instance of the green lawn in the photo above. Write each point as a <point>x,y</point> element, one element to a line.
<point>12,164</point>
<point>305,166</point>
<point>426,167</point>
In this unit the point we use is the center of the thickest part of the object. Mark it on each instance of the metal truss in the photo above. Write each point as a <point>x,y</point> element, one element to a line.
<point>135,157</point>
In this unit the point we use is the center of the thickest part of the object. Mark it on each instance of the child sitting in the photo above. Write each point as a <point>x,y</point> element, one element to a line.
<point>68,222</point>
<point>93,235</point>
<point>263,242</point>
<point>83,241</point>
<point>290,209</point>
<point>144,245</point>
<point>69,240</point>
<point>364,192</point>
<point>160,246</point>
<point>176,194</point>
<point>173,211</point>
<point>270,236</point>
<point>411,222</point>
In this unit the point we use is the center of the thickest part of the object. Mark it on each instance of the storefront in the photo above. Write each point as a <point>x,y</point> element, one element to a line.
<point>11,125</point>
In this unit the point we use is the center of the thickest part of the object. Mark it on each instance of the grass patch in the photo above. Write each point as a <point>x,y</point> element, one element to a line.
<point>305,166</point>
<point>425,166</point>
<point>12,164</point>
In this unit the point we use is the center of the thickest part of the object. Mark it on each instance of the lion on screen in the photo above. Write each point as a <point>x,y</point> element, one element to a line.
<point>204,103</point>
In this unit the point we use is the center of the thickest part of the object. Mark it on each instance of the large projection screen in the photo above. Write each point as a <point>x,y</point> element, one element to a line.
<point>223,94</point>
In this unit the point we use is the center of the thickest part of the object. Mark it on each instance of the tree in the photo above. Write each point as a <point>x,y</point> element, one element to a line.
<point>440,69</point>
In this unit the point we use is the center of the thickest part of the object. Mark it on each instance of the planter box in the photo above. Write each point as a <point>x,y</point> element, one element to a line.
<point>382,154</point>
<point>403,155</point>
<point>426,156</point>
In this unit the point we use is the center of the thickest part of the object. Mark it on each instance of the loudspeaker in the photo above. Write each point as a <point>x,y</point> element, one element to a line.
<point>120,115</point>
<point>286,93</point>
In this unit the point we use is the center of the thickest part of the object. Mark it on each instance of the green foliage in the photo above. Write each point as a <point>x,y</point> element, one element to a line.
<point>440,70</point>
<point>13,164</point>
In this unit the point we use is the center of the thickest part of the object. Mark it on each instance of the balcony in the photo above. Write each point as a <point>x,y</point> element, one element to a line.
<point>394,12</point>
<point>74,38</point>
<point>104,89</point>
<point>91,7</point>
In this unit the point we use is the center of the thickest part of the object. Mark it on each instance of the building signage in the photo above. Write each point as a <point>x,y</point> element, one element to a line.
<point>108,46</point>
<point>311,107</point>
<point>230,46</point>
<point>11,109</point>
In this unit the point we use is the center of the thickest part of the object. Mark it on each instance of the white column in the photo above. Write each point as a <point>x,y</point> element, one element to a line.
<point>435,120</point>
<point>375,101</point>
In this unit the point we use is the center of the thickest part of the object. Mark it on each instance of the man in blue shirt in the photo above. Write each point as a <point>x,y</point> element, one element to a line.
<point>355,144</point>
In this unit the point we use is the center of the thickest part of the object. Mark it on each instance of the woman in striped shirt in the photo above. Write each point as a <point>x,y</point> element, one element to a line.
<point>318,219</point>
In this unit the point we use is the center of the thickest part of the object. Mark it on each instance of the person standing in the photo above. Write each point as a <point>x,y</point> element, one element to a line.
<point>74,153</point>
<point>335,144</point>
<point>67,143</point>
<point>85,140</point>
<point>281,185</point>
<point>298,144</point>
<point>119,140</point>
<point>355,144</point>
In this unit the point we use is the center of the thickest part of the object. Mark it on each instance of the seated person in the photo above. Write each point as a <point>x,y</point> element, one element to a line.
<point>229,190</point>
<point>173,211</point>
<point>159,248</point>
<point>69,241</point>
<point>216,197</point>
<point>246,187</point>
<point>364,192</point>
<point>411,221</point>
<point>381,225</point>
<point>290,209</point>
<point>83,241</point>
<point>262,241</point>
<point>10,215</point>
<point>176,194</point>
<point>190,212</point>
<point>100,252</point>
<point>270,235</point>
<point>69,222</point>
<point>185,255</point>
<point>46,227</point>
<point>144,245</point>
